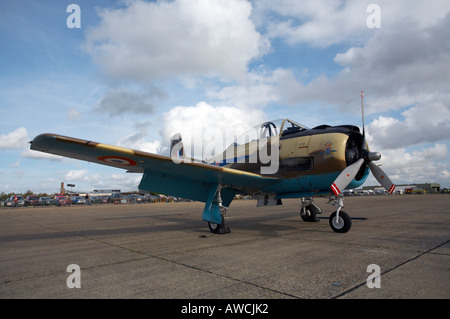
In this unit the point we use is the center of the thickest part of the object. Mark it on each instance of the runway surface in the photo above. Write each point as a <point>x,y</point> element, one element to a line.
<point>166,251</point>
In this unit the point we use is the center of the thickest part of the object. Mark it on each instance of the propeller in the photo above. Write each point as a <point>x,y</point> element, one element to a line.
<point>346,176</point>
<point>349,173</point>
<point>381,177</point>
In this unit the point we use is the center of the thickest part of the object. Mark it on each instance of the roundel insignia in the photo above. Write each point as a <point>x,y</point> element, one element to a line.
<point>118,160</point>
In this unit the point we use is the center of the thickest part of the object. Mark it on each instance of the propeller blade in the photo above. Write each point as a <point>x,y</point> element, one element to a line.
<point>364,145</point>
<point>346,176</point>
<point>362,110</point>
<point>382,177</point>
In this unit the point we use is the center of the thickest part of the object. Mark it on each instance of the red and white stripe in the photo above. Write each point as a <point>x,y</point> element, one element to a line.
<point>391,190</point>
<point>335,189</point>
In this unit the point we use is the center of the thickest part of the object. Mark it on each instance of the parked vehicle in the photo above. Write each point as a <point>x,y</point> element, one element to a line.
<point>32,200</point>
<point>78,200</point>
<point>115,198</point>
<point>348,192</point>
<point>134,199</point>
<point>62,201</point>
<point>15,201</point>
<point>45,201</point>
<point>148,198</point>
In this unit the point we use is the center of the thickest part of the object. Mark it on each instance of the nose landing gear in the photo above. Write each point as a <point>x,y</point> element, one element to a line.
<point>340,221</point>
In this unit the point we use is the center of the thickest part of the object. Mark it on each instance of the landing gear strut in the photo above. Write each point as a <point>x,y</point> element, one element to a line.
<point>339,220</point>
<point>221,228</point>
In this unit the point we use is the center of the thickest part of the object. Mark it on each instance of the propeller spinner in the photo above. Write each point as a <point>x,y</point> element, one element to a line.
<point>364,156</point>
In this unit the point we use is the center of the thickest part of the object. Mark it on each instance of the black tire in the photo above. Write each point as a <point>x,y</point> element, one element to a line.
<point>215,228</point>
<point>344,225</point>
<point>310,215</point>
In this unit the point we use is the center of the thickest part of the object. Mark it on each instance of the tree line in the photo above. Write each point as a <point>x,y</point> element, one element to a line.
<point>4,196</point>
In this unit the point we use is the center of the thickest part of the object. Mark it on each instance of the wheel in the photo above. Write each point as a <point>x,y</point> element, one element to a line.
<point>309,214</point>
<point>343,225</point>
<point>215,228</point>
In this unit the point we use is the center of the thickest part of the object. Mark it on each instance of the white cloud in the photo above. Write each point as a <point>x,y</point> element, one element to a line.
<point>327,22</point>
<point>427,123</point>
<point>123,181</point>
<point>141,145</point>
<point>138,140</point>
<point>76,175</point>
<point>147,41</point>
<point>424,165</point>
<point>16,139</point>
<point>260,89</point>
<point>319,23</point>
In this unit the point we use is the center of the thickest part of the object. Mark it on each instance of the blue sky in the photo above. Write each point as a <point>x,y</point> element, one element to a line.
<point>138,70</point>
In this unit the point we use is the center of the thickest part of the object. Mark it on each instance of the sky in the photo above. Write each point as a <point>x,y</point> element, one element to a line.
<point>132,73</point>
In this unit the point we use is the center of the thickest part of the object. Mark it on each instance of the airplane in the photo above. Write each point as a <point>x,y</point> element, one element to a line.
<point>304,162</point>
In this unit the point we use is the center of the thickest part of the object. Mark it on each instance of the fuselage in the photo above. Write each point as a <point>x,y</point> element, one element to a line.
<point>306,160</point>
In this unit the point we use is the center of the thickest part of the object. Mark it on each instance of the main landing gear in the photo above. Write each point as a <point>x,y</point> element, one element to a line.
<point>215,205</point>
<point>309,210</point>
<point>221,228</point>
<point>339,220</point>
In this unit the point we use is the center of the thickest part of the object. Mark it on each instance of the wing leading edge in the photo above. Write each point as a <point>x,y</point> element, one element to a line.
<point>161,174</point>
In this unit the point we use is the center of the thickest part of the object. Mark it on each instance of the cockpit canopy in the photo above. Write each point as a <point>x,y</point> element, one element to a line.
<point>268,129</point>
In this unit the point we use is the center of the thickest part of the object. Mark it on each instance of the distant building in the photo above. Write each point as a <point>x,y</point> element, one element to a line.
<point>105,192</point>
<point>430,188</point>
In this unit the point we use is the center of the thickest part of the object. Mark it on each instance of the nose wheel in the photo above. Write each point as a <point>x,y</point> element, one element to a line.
<point>340,222</point>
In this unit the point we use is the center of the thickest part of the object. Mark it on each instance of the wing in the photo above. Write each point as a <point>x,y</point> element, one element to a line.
<point>161,174</point>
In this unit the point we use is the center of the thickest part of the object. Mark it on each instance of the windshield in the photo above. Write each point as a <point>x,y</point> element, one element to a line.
<point>290,127</point>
